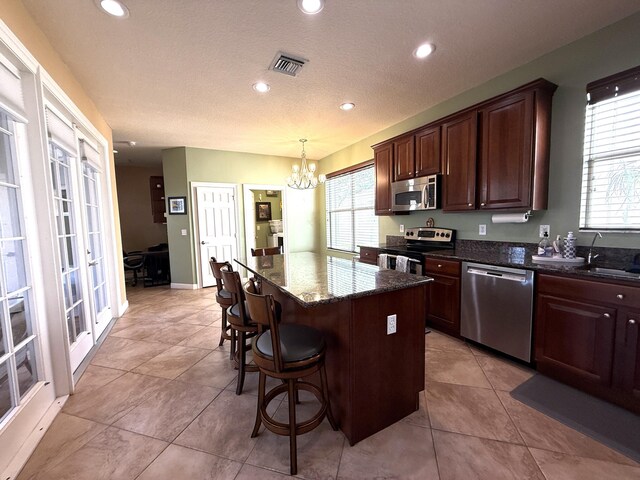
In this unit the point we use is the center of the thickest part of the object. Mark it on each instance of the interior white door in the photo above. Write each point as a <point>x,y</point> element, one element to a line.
<point>94,240</point>
<point>217,229</point>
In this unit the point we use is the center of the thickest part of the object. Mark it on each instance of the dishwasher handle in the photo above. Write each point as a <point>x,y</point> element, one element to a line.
<point>502,275</point>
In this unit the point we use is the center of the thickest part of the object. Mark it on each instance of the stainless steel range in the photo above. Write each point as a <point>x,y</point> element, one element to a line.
<point>420,240</point>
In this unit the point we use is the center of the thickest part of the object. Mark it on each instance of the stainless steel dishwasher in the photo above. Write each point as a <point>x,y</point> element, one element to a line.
<point>497,308</point>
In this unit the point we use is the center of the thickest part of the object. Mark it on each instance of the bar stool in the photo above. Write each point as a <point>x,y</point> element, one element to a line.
<point>241,324</point>
<point>261,252</point>
<point>223,298</point>
<point>290,353</point>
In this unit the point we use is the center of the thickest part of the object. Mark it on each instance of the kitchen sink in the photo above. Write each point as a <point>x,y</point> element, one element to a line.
<point>614,272</point>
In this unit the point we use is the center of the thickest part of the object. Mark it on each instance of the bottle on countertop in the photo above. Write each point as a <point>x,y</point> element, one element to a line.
<point>569,250</point>
<point>557,247</point>
<point>544,247</point>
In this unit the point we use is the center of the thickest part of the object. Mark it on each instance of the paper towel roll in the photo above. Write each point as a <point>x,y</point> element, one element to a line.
<point>510,218</point>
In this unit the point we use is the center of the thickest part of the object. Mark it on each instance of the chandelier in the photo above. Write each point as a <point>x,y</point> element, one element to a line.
<point>303,176</point>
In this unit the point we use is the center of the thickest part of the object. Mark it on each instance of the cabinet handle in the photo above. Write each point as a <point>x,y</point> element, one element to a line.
<point>606,315</point>
<point>470,204</point>
<point>619,296</point>
<point>439,265</point>
<point>482,204</point>
<point>632,321</point>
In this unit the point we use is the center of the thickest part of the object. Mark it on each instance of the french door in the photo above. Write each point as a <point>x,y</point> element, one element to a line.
<point>67,205</point>
<point>217,227</point>
<point>95,248</point>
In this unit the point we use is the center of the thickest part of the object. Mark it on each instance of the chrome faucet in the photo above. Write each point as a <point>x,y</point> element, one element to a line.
<point>591,257</point>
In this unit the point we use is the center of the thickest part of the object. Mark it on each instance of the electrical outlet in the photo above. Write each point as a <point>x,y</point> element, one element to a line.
<point>401,228</point>
<point>392,324</point>
<point>544,228</point>
<point>482,229</point>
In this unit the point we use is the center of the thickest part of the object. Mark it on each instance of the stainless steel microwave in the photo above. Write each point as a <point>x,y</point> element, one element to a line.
<point>422,193</point>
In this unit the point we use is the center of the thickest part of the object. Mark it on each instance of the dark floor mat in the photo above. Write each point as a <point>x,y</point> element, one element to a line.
<point>613,426</point>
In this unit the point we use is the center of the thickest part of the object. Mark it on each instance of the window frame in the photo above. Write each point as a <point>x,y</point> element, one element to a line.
<point>599,91</point>
<point>340,173</point>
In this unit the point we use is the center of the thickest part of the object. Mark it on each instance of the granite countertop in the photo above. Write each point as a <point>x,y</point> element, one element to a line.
<point>507,254</point>
<point>311,278</point>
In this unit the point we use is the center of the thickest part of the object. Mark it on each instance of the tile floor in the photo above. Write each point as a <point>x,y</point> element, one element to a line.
<point>158,402</point>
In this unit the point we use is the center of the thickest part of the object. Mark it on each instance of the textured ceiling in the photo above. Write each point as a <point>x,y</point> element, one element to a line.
<point>179,73</point>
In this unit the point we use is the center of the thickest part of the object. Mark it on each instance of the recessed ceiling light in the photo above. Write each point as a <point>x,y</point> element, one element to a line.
<point>424,50</point>
<point>347,106</point>
<point>114,7</point>
<point>261,87</point>
<point>310,7</point>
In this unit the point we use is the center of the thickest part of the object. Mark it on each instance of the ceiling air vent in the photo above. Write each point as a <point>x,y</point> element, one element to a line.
<point>287,64</point>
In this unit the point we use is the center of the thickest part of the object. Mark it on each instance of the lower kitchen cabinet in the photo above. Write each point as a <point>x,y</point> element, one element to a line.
<point>369,255</point>
<point>586,335</point>
<point>443,302</point>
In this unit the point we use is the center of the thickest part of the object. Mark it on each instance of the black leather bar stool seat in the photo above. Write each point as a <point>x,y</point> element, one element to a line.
<point>297,343</point>
<point>290,353</point>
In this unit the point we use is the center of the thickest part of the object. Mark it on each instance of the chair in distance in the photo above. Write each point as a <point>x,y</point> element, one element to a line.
<point>290,353</point>
<point>261,252</point>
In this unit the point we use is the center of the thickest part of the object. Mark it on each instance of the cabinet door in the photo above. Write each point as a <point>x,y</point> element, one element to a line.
<point>575,341</point>
<point>506,159</point>
<point>444,304</point>
<point>382,156</point>
<point>459,136</point>
<point>403,158</point>
<point>628,352</point>
<point>428,161</point>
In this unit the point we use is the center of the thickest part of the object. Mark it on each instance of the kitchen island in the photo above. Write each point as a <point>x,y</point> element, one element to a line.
<point>374,378</point>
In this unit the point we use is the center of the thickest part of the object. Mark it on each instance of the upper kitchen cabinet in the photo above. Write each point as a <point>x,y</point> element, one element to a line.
<point>514,148</point>
<point>459,134</point>
<point>428,151</point>
<point>383,160</point>
<point>404,158</point>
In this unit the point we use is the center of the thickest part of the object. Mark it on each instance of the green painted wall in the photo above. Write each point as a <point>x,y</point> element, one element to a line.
<point>603,53</point>
<point>184,165</point>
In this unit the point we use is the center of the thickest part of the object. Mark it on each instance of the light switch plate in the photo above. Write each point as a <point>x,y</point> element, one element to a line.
<point>183,232</point>
<point>482,229</point>
<point>401,228</point>
<point>392,324</point>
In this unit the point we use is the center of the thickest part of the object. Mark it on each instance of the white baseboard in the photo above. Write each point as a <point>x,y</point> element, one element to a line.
<point>32,441</point>
<point>123,308</point>
<point>184,286</point>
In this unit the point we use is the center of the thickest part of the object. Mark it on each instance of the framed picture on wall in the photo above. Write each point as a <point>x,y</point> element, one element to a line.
<point>177,205</point>
<point>271,193</point>
<point>263,211</point>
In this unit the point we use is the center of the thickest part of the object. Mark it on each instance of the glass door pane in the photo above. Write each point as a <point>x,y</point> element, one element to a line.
<point>18,339</point>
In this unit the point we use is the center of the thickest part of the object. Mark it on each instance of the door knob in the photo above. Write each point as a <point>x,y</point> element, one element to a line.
<point>632,321</point>
<point>202,242</point>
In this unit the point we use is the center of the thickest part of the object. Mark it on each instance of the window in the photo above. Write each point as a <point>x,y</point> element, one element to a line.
<point>351,219</point>
<point>611,174</point>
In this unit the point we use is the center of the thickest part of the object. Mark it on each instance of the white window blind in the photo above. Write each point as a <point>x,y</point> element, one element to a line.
<point>11,99</point>
<point>610,197</point>
<point>61,132</point>
<point>351,219</point>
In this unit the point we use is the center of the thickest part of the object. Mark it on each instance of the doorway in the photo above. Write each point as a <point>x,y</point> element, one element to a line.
<point>264,229</point>
<point>216,225</point>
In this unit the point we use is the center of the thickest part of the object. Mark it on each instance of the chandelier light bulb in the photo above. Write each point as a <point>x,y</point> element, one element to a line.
<point>303,176</point>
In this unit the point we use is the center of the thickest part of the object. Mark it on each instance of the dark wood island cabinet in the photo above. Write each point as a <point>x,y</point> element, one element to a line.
<point>374,377</point>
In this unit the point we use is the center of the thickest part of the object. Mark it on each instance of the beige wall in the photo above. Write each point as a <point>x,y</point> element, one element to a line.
<point>15,16</point>
<point>134,198</point>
